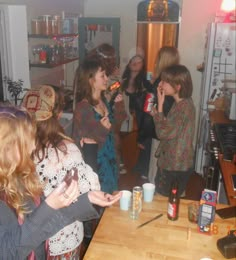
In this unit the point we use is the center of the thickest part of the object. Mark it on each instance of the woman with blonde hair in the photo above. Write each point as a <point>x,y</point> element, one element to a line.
<point>27,219</point>
<point>166,56</point>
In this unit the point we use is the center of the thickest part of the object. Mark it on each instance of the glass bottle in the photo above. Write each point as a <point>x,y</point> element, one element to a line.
<point>173,202</point>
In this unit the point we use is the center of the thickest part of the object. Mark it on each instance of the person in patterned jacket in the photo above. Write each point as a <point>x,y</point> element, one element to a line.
<point>176,131</point>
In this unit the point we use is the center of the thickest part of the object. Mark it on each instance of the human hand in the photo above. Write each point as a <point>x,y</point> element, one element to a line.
<point>103,199</point>
<point>118,98</point>
<point>116,71</point>
<point>63,195</point>
<point>161,97</point>
<point>106,122</point>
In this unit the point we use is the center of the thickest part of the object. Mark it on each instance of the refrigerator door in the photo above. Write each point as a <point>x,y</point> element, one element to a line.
<point>220,60</point>
<point>219,64</point>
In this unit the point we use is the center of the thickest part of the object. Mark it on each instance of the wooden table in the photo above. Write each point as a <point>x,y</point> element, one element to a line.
<point>117,236</point>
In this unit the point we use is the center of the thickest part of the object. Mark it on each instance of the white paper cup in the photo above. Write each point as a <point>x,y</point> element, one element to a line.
<point>125,200</point>
<point>148,191</point>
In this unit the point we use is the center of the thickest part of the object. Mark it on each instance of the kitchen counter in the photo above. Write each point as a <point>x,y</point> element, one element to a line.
<point>228,168</point>
<point>218,116</point>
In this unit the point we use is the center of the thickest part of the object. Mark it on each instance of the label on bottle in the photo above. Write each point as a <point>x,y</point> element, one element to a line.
<point>172,209</point>
<point>43,56</point>
<point>149,102</point>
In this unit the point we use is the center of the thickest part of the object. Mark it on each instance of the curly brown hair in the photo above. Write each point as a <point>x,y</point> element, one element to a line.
<point>107,55</point>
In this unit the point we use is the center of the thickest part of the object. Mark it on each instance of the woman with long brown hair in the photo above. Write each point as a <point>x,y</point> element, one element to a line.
<point>55,155</point>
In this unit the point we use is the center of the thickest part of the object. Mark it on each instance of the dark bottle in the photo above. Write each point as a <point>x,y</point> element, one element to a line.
<point>173,203</point>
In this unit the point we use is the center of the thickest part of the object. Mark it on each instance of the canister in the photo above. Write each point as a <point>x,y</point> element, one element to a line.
<point>46,24</point>
<point>58,23</point>
<point>36,26</point>
<point>68,26</point>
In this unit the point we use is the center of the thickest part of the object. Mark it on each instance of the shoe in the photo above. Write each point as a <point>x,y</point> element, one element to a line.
<point>122,165</point>
<point>123,171</point>
<point>144,177</point>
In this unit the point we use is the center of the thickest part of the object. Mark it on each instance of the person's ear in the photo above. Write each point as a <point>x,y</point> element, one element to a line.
<point>91,81</point>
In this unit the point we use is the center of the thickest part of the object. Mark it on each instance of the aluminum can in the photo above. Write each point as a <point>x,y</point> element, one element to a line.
<point>136,203</point>
<point>149,102</point>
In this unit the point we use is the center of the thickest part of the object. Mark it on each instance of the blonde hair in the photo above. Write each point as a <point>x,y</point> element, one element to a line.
<point>166,56</point>
<point>18,180</point>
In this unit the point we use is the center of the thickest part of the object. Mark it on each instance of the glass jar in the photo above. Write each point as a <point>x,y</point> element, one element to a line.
<point>36,26</point>
<point>46,24</point>
<point>58,24</point>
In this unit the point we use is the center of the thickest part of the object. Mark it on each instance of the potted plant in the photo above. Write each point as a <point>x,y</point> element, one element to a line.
<point>15,88</point>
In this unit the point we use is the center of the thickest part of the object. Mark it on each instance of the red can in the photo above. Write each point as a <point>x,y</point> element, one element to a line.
<point>149,102</point>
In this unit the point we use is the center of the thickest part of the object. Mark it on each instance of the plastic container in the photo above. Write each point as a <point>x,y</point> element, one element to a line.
<point>68,26</point>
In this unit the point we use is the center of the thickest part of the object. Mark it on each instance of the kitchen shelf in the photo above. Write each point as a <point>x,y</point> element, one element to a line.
<point>43,36</point>
<point>52,65</point>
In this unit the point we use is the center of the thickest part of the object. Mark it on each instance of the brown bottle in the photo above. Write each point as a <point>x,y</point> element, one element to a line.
<point>173,203</point>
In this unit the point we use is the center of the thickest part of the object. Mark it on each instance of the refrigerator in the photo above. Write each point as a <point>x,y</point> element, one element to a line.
<point>219,66</point>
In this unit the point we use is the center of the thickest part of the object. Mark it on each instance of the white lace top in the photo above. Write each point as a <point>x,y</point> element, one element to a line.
<point>51,173</point>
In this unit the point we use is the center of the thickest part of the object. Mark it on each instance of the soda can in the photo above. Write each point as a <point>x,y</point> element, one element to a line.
<point>114,86</point>
<point>149,102</point>
<point>136,203</point>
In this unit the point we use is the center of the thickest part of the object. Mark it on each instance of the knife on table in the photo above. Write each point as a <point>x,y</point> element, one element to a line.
<point>147,222</point>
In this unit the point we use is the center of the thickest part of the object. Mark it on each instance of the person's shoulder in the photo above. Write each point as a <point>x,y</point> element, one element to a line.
<point>83,105</point>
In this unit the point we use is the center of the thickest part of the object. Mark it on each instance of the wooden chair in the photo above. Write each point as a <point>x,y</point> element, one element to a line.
<point>228,170</point>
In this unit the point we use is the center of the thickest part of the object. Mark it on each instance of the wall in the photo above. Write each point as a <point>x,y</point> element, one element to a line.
<point>195,16</point>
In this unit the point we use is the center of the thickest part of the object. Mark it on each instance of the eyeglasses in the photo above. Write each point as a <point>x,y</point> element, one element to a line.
<point>14,112</point>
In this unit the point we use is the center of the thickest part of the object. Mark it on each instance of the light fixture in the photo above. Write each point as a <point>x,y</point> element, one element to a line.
<point>158,11</point>
<point>227,6</point>
<point>227,11</point>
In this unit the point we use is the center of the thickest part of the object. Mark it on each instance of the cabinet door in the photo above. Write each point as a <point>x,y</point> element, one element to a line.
<point>95,31</point>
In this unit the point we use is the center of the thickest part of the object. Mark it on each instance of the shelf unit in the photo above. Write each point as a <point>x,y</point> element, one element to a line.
<point>53,65</point>
<point>57,37</point>
<point>43,36</point>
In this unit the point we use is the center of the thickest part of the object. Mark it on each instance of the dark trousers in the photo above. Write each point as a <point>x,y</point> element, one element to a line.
<point>165,178</point>
<point>142,165</point>
<point>90,153</point>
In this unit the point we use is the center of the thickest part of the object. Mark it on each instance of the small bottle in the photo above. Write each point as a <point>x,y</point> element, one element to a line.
<point>43,55</point>
<point>173,203</point>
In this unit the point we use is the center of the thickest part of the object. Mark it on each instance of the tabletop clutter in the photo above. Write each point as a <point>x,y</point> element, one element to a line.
<point>201,213</point>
